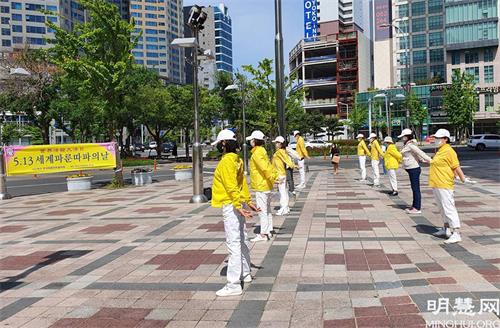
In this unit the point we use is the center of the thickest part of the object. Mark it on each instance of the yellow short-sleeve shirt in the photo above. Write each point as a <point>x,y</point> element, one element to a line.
<point>441,173</point>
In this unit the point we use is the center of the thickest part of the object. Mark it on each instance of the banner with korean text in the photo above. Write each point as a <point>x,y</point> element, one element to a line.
<point>20,160</point>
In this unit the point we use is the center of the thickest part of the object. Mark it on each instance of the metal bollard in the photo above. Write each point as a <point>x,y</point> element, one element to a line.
<point>3,178</point>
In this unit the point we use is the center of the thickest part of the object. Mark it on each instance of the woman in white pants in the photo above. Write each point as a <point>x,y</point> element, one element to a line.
<point>444,167</point>
<point>281,161</point>
<point>262,179</point>
<point>376,153</point>
<point>392,158</point>
<point>230,192</point>
<point>363,151</point>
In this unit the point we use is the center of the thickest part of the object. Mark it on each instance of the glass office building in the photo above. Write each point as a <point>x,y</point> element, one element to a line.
<point>223,39</point>
<point>22,23</point>
<point>420,34</point>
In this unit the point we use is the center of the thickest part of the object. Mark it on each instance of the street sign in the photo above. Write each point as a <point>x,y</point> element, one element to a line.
<point>310,20</point>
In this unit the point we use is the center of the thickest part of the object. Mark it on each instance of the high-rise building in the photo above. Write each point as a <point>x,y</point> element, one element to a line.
<point>472,34</point>
<point>416,37</point>
<point>333,61</point>
<point>216,37</point>
<point>159,22</point>
<point>22,24</point>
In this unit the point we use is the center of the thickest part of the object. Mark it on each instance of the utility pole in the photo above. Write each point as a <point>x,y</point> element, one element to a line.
<point>280,69</point>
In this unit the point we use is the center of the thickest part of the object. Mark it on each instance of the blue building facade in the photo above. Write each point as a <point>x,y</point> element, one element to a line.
<point>223,39</point>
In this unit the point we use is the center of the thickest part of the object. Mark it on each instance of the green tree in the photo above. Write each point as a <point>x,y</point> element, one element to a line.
<point>358,115</point>
<point>98,54</point>
<point>334,127</point>
<point>460,103</point>
<point>418,113</point>
<point>315,122</point>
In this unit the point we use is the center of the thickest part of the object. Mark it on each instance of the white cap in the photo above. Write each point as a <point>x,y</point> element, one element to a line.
<point>279,139</point>
<point>405,132</point>
<point>373,135</point>
<point>441,133</point>
<point>360,136</point>
<point>296,132</point>
<point>257,135</point>
<point>224,135</point>
<point>388,139</point>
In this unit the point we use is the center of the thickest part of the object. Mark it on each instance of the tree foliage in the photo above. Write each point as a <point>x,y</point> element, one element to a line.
<point>358,116</point>
<point>460,103</point>
<point>418,113</point>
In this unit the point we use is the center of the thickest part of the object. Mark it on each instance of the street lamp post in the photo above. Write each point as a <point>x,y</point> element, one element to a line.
<point>280,69</point>
<point>196,20</point>
<point>241,89</point>
<point>407,64</point>
<point>383,95</point>
<point>369,116</point>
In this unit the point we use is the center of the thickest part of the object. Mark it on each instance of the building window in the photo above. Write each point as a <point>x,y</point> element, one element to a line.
<point>455,71</point>
<point>436,22</point>
<point>474,71</point>
<point>435,39</point>
<point>419,41</point>
<point>402,58</point>
<point>435,6</point>
<point>437,71</point>
<point>455,58</point>
<point>403,10</point>
<point>471,57</point>
<point>488,55</point>
<point>418,8</point>
<point>418,25</point>
<point>436,55</point>
<point>488,102</point>
<point>6,43</point>
<point>488,74</point>
<point>17,28</point>
<point>420,57</point>
<point>419,73</point>
<point>471,32</point>
<point>17,40</point>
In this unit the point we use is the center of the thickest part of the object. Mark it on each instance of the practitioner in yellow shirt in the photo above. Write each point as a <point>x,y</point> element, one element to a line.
<point>363,151</point>
<point>392,158</point>
<point>375,154</point>
<point>281,161</point>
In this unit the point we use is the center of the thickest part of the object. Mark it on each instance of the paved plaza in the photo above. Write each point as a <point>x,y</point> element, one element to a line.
<point>346,256</point>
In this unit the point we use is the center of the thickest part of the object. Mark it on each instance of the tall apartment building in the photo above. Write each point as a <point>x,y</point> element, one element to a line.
<point>216,37</point>
<point>159,22</point>
<point>417,37</point>
<point>333,61</point>
<point>472,34</point>
<point>22,24</point>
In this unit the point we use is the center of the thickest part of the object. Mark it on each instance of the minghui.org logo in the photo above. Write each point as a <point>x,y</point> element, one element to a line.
<point>463,307</point>
<point>462,324</point>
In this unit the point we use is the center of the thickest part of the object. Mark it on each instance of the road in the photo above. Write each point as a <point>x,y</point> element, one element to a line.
<point>487,161</point>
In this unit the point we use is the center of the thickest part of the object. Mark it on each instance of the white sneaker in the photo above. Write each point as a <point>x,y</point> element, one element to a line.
<point>229,291</point>
<point>412,211</point>
<point>455,238</point>
<point>258,238</point>
<point>300,186</point>
<point>442,232</point>
<point>283,211</point>
<point>362,180</point>
<point>248,278</point>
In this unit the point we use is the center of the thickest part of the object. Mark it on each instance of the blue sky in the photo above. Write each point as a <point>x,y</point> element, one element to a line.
<point>253,27</point>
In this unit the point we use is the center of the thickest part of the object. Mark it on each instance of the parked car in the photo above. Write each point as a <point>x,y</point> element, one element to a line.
<point>152,145</point>
<point>167,147</point>
<point>483,141</point>
<point>138,147</point>
<point>317,144</point>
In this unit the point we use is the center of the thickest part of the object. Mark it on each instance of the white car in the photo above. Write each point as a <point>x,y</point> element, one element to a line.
<point>317,144</point>
<point>152,145</point>
<point>483,141</point>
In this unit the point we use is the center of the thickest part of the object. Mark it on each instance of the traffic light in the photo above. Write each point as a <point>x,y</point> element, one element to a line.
<point>197,17</point>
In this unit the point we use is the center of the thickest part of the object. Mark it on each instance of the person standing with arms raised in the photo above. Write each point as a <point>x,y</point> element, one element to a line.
<point>230,193</point>
<point>376,154</point>
<point>363,151</point>
<point>262,179</point>
<point>303,154</point>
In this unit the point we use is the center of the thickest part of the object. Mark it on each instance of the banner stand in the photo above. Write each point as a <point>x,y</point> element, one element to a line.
<point>3,178</point>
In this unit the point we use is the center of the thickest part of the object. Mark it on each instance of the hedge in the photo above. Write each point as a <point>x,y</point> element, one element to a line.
<point>130,161</point>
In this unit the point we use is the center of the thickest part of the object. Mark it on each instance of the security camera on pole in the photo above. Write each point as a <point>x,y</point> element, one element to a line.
<point>197,18</point>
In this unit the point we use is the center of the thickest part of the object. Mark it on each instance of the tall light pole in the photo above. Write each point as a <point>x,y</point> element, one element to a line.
<point>407,62</point>
<point>196,20</point>
<point>241,89</point>
<point>383,95</point>
<point>280,69</point>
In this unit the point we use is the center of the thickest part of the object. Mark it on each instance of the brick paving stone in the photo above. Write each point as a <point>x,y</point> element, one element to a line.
<point>346,256</point>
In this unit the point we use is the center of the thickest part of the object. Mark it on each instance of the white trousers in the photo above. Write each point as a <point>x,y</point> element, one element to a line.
<point>302,172</point>
<point>362,166</point>
<point>283,193</point>
<point>446,204</point>
<point>393,179</point>
<point>263,199</point>
<point>238,265</point>
<point>376,172</point>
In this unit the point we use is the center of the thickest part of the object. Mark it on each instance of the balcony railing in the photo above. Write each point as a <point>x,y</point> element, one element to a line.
<point>320,102</point>
<point>320,58</point>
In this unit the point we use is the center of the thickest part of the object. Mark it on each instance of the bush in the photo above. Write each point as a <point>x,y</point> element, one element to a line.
<point>131,161</point>
<point>213,155</point>
<point>344,150</point>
